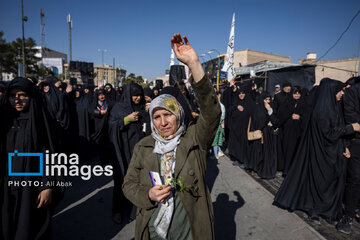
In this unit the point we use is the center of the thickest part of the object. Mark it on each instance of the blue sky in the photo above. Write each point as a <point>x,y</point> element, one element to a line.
<point>137,33</point>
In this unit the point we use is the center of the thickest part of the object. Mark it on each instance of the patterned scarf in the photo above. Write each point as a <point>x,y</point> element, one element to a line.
<point>166,149</point>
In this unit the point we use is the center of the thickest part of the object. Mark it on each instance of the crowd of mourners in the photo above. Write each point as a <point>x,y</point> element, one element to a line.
<point>36,116</point>
<point>311,137</point>
<point>308,136</point>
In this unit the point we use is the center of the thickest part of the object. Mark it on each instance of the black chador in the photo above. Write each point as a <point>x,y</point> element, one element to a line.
<point>124,134</point>
<point>99,113</point>
<point>82,124</point>
<point>24,127</point>
<point>54,102</point>
<point>238,120</point>
<point>263,152</point>
<point>316,178</point>
<point>227,98</point>
<point>57,107</point>
<point>352,115</point>
<point>149,96</point>
<point>292,117</point>
<point>111,94</point>
<point>89,92</point>
<point>279,100</point>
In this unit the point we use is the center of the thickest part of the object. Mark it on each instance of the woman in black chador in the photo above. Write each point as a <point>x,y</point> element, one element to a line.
<point>111,94</point>
<point>149,96</point>
<point>316,179</point>
<point>239,114</point>
<point>352,191</point>
<point>228,96</point>
<point>292,117</point>
<point>82,124</point>
<point>26,212</point>
<point>126,129</point>
<point>99,114</point>
<point>263,152</point>
<point>56,106</point>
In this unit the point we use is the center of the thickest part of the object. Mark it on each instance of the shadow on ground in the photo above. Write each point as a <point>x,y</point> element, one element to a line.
<point>224,213</point>
<point>224,208</point>
<point>212,171</point>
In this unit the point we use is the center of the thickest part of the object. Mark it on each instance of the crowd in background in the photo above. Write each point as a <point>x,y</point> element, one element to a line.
<point>102,121</point>
<point>309,136</point>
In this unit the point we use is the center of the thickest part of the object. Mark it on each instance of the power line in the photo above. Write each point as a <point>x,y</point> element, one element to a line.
<point>340,69</point>
<point>347,28</point>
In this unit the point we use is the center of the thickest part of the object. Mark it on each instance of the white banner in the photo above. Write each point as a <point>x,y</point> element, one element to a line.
<point>172,58</point>
<point>229,64</point>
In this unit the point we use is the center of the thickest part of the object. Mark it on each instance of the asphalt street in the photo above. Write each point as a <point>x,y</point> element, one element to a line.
<point>242,208</point>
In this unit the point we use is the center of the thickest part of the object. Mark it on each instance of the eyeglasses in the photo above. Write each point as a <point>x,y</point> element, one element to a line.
<point>18,97</point>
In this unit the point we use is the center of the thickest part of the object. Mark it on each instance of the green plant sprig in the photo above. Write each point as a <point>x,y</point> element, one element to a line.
<point>178,184</point>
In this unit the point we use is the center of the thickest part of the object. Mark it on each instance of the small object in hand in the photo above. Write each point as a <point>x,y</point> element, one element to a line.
<point>161,188</point>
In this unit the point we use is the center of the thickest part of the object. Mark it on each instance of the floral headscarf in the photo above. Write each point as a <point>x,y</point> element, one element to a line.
<point>169,103</point>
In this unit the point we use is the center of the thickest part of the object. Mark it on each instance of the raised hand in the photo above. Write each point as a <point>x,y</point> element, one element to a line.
<point>69,88</point>
<point>186,54</point>
<point>267,105</point>
<point>183,50</point>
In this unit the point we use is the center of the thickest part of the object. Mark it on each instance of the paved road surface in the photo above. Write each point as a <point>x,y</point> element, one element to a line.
<point>243,209</point>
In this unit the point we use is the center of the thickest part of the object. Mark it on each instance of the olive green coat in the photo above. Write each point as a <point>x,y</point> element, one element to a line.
<point>190,168</point>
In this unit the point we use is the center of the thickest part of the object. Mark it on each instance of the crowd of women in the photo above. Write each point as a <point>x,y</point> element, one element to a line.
<point>309,137</point>
<point>51,115</point>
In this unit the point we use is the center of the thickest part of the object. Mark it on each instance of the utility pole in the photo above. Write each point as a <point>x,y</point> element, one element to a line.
<point>114,71</point>
<point>42,33</point>
<point>102,55</point>
<point>70,27</point>
<point>359,60</point>
<point>23,19</point>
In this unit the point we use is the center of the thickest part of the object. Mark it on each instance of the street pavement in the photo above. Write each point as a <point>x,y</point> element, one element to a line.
<point>242,208</point>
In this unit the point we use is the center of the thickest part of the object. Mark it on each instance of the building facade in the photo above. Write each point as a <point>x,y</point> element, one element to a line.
<point>110,74</point>
<point>49,53</point>
<point>339,69</point>
<point>247,56</point>
<point>51,59</point>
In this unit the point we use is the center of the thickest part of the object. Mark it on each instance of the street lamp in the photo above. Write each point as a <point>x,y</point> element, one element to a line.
<point>203,55</point>
<point>102,55</point>
<point>218,57</point>
<point>122,74</point>
<point>23,19</point>
<point>218,67</point>
<point>69,21</point>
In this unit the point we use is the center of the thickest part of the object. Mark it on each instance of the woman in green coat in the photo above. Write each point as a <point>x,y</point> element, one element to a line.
<point>180,207</point>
